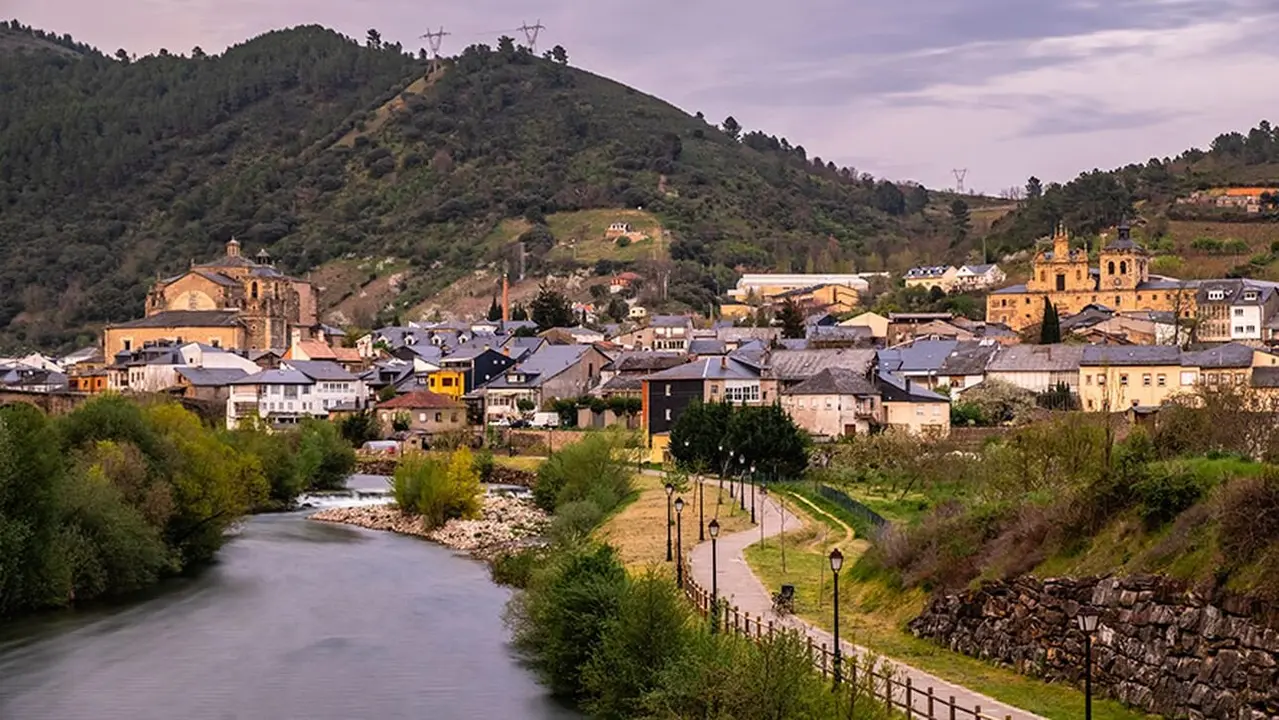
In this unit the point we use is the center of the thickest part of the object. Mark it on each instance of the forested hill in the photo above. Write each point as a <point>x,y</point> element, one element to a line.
<point>317,147</point>
<point>1147,192</point>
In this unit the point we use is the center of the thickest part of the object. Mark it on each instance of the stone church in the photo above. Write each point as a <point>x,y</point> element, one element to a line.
<point>232,302</point>
<point>1122,282</point>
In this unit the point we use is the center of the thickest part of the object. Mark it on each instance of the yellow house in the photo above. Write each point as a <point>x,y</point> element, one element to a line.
<point>877,323</point>
<point>927,277</point>
<point>730,310</point>
<point>447,381</point>
<point>1114,378</point>
<point>910,407</point>
<point>1064,277</point>
<point>219,328</point>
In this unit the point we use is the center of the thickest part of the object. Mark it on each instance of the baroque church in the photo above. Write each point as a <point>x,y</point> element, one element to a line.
<point>1121,282</point>
<point>232,302</point>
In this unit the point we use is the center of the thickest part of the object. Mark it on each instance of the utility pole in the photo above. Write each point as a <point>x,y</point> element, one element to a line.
<point>435,40</point>
<point>530,34</point>
<point>960,174</point>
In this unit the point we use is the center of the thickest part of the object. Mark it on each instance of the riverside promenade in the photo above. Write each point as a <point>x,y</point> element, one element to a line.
<point>740,587</point>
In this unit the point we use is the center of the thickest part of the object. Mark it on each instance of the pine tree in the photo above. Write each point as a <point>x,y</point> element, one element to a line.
<point>1050,328</point>
<point>519,313</point>
<point>495,311</point>
<point>791,319</point>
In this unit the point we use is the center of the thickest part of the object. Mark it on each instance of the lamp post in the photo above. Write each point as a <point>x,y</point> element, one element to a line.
<point>713,528</point>
<point>741,480</point>
<point>722,472</point>
<point>753,483</point>
<point>701,496</point>
<point>670,490</point>
<point>763,497</point>
<point>836,562</point>
<point>679,543</point>
<point>1087,623</point>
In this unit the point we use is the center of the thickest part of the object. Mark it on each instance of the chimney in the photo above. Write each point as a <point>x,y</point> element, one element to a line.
<point>506,300</point>
<point>723,361</point>
<point>907,386</point>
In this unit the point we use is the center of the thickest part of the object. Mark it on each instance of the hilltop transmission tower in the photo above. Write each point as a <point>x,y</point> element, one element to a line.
<point>530,34</point>
<point>960,174</point>
<point>434,41</point>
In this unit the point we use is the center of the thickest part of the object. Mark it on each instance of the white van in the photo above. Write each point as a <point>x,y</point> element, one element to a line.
<point>546,419</point>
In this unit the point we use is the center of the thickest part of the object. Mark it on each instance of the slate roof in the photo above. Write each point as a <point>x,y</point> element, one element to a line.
<point>419,400</point>
<point>803,364</point>
<point>968,358</point>
<point>1131,355</point>
<point>898,389</point>
<point>546,363</point>
<point>623,383</point>
<point>275,377</point>
<point>918,356</point>
<point>978,269</point>
<point>1265,377</point>
<point>1011,289</point>
<point>322,370</point>
<point>185,318</point>
<point>711,368</point>
<point>218,278</point>
<point>670,321</point>
<point>211,377</point>
<point>1237,291</point>
<point>704,346</point>
<point>931,271</point>
<point>1230,355</point>
<point>522,346</point>
<point>1086,318</point>
<point>834,333</point>
<point>1037,358</point>
<point>646,362</point>
<point>835,381</point>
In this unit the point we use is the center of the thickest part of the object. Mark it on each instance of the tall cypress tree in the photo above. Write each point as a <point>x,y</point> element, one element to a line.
<point>1050,327</point>
<point>495,311</point>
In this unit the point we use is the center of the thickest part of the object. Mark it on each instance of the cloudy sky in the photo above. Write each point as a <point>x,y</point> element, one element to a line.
<point>908,89</point>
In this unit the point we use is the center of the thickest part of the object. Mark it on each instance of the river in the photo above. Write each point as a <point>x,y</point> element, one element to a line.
<point>298,619</point>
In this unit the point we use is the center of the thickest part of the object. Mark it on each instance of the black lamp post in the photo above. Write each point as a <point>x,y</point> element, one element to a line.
<point>713,528</point>
<point>836,562</point>
<point>670,489</point>
<point>741,481</point>
<point>722,472</point>
<point>753,483</point>
<point>1087,623</point>
<point>679,543</point>
<point>701,499</point>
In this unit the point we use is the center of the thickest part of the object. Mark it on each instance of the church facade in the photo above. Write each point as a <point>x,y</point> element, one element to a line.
<point>232,302</point>
<point>1064,276</point>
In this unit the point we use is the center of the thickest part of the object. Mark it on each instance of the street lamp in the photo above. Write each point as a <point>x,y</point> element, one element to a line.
<point>741,479</point>
<point>701,497</point>
<point>679,542</point>
<point>763,497</point>
<point>836,562</point>
<point>1087,623</point>
<point>713,529</point>
<point>753,483</point>
<point>670,490</point>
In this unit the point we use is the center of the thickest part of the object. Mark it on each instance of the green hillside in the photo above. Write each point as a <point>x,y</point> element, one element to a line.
<point>321,148</point>
<point>1148,193</point>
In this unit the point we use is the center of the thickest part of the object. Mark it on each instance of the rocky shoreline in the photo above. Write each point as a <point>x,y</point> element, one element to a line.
<point>505,522</point>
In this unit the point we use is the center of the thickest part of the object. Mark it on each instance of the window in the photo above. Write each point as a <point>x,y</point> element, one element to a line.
<point>1239,378</point>
<point>421,417</point>
<point>1238,312</point>
<point>1161,380</point>
<point>1188,377</point>
<point>1123,379</point>
<point>253,291</point>
<point>1145,379</point>
<point>1090,405</point>
<point>1212,378</point>
<point>1110,268</point>
<point>291,392</point>
<point>453,417</point>
<point>1216,294</point>
<point>746,393</point>
<point>447,382</point>
<point>128,344</point>
<point>714,389</point>
<point>1043,276</point>
<point>1061,281</point>
<point>1250,328</point>
<point>919,412</point>
<point>306,389</point>
<point>215,342</point>
<point>668,413</point>
<point>1101,378</point>
<point>1123,267</point>
<point>668,394</point>
<point>439,417</point>
<point>1118,301</point>
<point>1239,329</point>
<point>1088,379</point>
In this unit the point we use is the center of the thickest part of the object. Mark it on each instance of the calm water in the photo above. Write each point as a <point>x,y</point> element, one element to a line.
<point>298,620</point>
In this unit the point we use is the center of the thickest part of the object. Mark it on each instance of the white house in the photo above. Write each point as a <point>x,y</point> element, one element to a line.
<point>298,389</point>
<point>978,277</point>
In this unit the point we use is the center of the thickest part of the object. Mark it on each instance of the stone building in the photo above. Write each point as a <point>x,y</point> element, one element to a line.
<point>1064,276</point>
<point>273,309</point>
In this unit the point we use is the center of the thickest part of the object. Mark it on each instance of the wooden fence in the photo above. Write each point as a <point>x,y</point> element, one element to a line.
<point>863,680</point>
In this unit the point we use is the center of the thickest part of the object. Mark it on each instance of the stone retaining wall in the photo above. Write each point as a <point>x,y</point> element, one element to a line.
<point>1159,647</point>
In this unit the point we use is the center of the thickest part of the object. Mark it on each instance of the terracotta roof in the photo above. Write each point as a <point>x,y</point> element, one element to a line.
<point>419,399</point>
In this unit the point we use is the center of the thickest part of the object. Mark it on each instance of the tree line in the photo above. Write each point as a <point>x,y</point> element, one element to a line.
<point>118,494</point>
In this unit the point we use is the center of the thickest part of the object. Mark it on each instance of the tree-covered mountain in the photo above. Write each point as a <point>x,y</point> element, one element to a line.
<point>1147,191</point>
<point>114,170</point>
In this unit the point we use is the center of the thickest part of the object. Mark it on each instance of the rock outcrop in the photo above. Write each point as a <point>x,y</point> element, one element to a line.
<point>1158,647</point>
<point>505,522</point>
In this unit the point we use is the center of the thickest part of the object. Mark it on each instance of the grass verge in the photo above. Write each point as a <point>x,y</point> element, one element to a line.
<point>873,613</point>
<point>638,531</point>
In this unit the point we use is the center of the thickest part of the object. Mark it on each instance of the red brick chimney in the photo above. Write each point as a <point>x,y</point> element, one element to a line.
<point>506,299</point>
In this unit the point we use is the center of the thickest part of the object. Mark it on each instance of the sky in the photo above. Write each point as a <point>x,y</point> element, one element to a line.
<point>907,89</point>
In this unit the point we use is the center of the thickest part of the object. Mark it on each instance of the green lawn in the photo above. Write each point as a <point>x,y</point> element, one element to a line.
<point>874,614</point>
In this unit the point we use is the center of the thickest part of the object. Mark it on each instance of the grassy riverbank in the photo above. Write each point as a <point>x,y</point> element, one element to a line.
<point>638,530</point>
<point>874,612</point>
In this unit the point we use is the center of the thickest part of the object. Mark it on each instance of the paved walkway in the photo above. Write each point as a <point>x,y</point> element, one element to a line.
<point>739,586</point>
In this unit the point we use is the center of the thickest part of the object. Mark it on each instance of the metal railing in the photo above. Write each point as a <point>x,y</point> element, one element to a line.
<point>842,499</point>
<point>864,682</point>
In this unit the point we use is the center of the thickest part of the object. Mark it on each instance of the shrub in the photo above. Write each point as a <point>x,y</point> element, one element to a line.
<point>516,568</point>
<point>559,620</point>
<point>597,468</point>
<point>1167,490</point>
<point>437,490</point>
<point>1248,513</point>
<point>325,460</point>
<point>484,465</point>
<point>575,520</point>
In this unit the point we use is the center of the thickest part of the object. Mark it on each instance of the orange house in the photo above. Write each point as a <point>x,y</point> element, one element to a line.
<point>93,381</point>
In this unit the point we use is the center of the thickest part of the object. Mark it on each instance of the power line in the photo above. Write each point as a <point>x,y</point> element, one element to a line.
<point>960,174</point>
<point>530,34</point>
<point>435,40</point>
